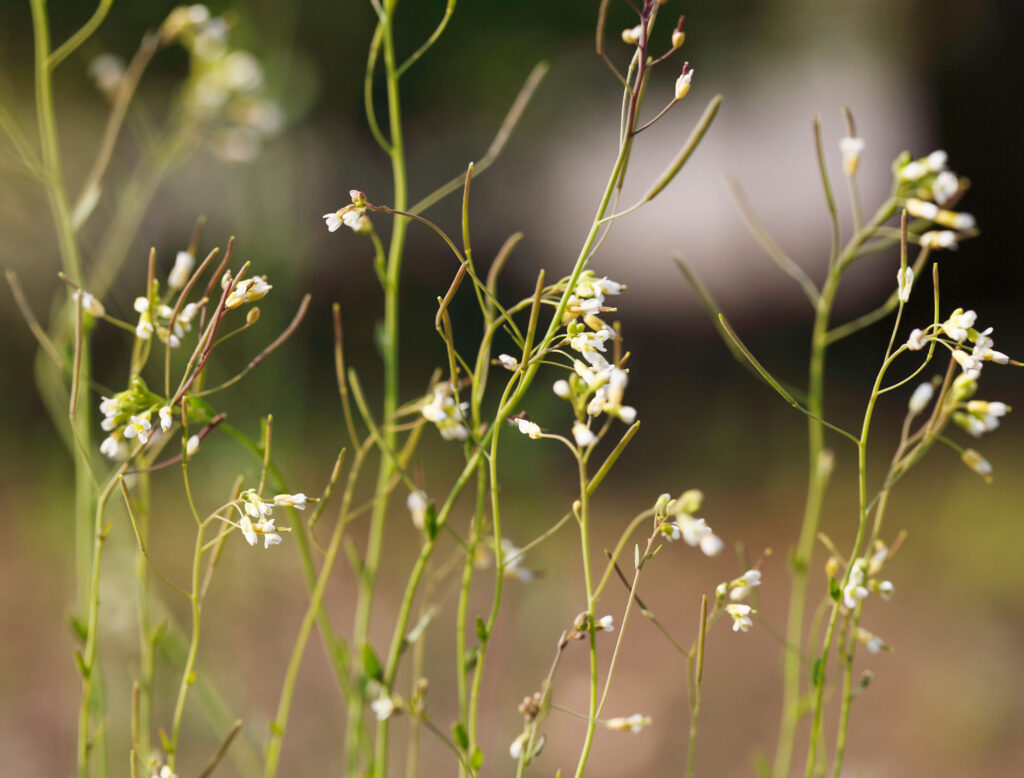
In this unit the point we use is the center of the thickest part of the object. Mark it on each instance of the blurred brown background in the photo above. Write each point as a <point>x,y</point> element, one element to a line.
<point>917,75</point>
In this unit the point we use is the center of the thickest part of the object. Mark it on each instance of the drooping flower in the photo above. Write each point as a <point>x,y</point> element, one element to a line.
<point>920,398</point>
<point>529,428</point>
<point>740,612</point>
<point>605,624</point>
<point>248,290</point>
<point>182,270</point>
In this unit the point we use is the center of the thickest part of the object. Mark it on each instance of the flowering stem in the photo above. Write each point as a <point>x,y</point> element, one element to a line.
<point>817,481</point>
<point>87,659</point>
<point>584,520</point>
<point>188,673</point>
<point>368,574</point>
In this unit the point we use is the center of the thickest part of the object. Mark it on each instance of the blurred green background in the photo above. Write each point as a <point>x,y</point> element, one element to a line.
<point>917,75</point>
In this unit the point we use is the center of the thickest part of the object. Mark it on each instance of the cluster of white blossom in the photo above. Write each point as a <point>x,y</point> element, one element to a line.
<point>862,578</point>
<point>676,520</point>
<point>352,216</point>
<point>449,416</point>
<point>959,329</point>
<point>127,415</point>
<point>157,319</point>
<point>255,517</point>
<point>738,589</point>
<point>224,86</point>
<point>927,187</point>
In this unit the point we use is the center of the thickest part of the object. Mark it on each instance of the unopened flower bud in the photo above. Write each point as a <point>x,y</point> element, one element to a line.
<point>851,149</point>
<point>832,566</point>
<point>631,35</point>
<point>252,316</point>
<point>977,463</point>
<point>561,388</point>
<point>683,82</point>
<point>920,398</point>
<point>689,501</point>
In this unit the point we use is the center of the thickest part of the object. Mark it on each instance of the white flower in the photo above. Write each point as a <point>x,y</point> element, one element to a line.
<point>529,428</point>
<point>266,528</point>
<point>245,523</point>
<point>182,270</point>
<point>886,590</point>
<point>111,447</point>
<point>970,365</point>
<point>939,239</point>
<point>448,417</point>
<point>920,209</point>
<point>383,707</point>
<point>920,398</point>
<point>333,220</point>
<point>248,290</point>
<point>297,500</point>
<point>683,82</point>
<point>904,282</point>
<point>605,624</point>
<point>516,749</point>
<point>192,446</point>
<point>631,35</point>
<point>417,504</point>
<point>356,220</point>
<point>916,340</point>
<point>512,561</point>
<point>587,343</point>
<point>855,591</point>
<point>742,586</point>
<point>582,435</point>
<point>873,643</point>
<point>956,221</point>
<point>958,323</point>
<point>912,171</point>
<point>166,418</point>
<point>633,723</point>
<point>711,544</point>
<point>144,329</point>
<point>945,186</point>
<point>138,426</point>
<point>740,613</point>
<point>165,772</point>
<point>851,149</point>
<point>977,463</point>
<point>936,161</point>
<point>508,362</point>
<point>106,71</point>
<point>90,304</point>
<point>561,388</point>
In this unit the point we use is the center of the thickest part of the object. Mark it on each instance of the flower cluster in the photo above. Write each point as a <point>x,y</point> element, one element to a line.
<point>157,319</point>
<point>740,612</point>
<point>224,85</point>
<point>127,415</point>
<point>927,188</point>
<point>863,579</point>
<point>449,416</point>
<point>676,520</point>
<point>247,290</point>
<point>959,329</point>
<point>738,589</point>
<point>255,518</point>
<point>352,216</point>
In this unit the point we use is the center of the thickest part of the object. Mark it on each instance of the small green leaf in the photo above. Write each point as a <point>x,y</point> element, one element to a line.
<point>834,590</point>
<point>80,663</point>
<point>430,526</point>
<point>481,630</point>
<point>275,728</point>
<point>371,664</point>
<point>469,661</point>
<point>79,628</point>
<point>476,760</point>
<point>460,735</point>
<point>166,742</point>
<point>818,672</point>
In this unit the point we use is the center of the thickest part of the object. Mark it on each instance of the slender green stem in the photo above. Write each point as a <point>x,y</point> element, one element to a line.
<point>188,673</point>
<point>87,664</point>
<point>584,520</point>
<point>371,563</point>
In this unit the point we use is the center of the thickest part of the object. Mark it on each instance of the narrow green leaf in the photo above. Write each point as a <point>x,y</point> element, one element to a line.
<point>481,630</point>
<point>460,735</point>
<point>834,590</point>
<point>371,664</point>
